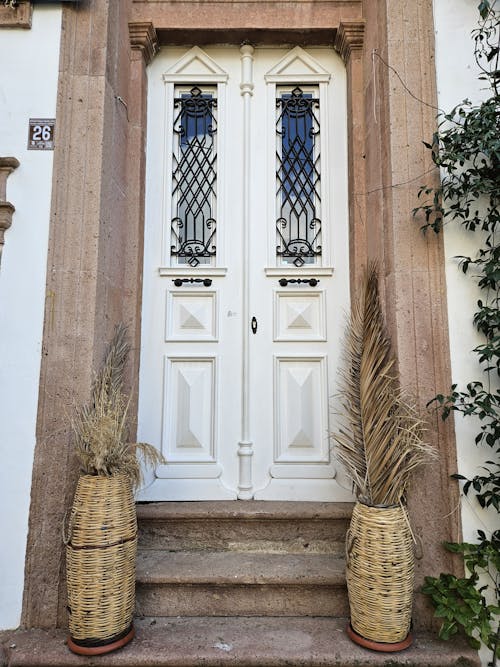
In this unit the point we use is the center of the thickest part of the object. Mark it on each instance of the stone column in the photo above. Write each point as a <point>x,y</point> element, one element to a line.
<point>401,113</point>
<point>349,44</point>
<point>144,46</point>
<point>87,258</point>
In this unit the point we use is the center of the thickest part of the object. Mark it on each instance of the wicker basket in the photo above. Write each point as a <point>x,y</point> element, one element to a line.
<point>101,548</point>
<point>379,572</point>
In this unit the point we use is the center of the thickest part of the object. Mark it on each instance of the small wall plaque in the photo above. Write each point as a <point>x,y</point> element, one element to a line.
<point>41,134</point>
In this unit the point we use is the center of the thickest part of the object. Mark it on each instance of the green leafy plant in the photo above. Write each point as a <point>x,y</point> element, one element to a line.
<point>466,148</point>
<point>461,602</point>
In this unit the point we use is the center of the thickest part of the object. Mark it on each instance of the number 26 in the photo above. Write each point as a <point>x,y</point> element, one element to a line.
<point>42,132</point>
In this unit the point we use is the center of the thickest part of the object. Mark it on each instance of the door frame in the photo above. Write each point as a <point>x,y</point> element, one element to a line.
<point>89,213</point>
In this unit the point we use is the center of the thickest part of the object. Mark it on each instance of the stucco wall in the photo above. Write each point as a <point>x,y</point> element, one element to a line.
<point>457,79</point>
<point>28,86</point>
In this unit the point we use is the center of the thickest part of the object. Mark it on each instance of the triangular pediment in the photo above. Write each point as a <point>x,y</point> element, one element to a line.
<point>195,66</point>
<point>297,65</point>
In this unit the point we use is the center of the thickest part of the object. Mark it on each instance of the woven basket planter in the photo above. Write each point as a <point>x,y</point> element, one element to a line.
<point>379,569</point>
<point>101,548</point>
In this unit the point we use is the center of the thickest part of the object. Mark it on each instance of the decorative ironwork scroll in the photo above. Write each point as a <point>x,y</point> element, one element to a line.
<point>194,177</point>
<point>298,197</point>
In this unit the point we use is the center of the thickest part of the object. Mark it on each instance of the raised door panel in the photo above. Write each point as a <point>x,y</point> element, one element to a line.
<point>191,316</point>
<point>301,442</point>
<point>299,316</point>
<point>190,410</point>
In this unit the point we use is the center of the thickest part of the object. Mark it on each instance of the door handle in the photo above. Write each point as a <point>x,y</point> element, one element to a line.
<point>310,281</point>
<point>254,325</point>
<point>178,282</point>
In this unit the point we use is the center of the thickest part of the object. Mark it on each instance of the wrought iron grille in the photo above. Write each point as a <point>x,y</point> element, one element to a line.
<point>298,225</point>
<point>194,177</point>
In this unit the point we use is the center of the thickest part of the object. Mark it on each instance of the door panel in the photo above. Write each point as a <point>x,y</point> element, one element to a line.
<point>299,316</point>
<point>246,273</point>
<point>190,407</point>
<point>301,410</point>
<point>191,316</point>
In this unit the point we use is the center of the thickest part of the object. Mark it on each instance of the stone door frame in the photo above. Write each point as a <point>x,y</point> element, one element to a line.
<point>95,246</point>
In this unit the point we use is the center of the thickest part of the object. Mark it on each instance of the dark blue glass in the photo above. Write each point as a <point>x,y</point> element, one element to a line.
<point>298,177</point>
<point>194,177</point>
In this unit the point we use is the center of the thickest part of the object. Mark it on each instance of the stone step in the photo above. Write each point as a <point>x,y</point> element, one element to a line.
<point>243,584</point>
<point>253,526</point>
<point>242,642</point>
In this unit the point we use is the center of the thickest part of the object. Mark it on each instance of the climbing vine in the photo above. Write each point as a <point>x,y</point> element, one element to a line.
<point>466,148</point>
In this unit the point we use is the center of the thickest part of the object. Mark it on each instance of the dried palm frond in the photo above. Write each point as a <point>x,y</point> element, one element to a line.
<point>380,441</point>
<point>101,428</point>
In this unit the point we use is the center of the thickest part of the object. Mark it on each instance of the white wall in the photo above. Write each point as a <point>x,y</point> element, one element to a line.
<point>457,79</point>
<point>29,63</point>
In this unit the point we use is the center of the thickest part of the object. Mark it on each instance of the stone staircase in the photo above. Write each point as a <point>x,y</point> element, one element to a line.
<point>242,559</point>
<point>248,584</point>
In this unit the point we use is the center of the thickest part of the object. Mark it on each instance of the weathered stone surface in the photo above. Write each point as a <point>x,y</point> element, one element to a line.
<point>236,509</point>
<point>240,584</point>
<point>242,559</point>
<point>233,601</point>
<point>94,269</point>
<point>249,642</point>
<point>19,16</point>
<point>228,568</point>
<point>271,527</point>
<point>249,15</point>
<point>399,44</point>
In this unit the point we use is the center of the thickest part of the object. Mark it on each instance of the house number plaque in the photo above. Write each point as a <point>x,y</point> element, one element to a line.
<point>41,134</point>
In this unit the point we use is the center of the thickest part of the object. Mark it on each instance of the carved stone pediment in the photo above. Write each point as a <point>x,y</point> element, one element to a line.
<point>16,15</point>
<point>7,166</point>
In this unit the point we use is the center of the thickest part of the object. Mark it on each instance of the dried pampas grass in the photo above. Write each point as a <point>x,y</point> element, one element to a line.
<point>101,428</point>
<point>380,441</point>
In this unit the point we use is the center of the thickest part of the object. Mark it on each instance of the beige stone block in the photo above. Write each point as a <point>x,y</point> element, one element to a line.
<point>273,601</point>
<point>79,312</point>
<point>240,584</point>
<point>120,154</point>
<point>231,15</point>
<point>19,16</point>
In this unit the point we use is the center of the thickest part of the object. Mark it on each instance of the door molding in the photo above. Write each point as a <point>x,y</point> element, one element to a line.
<point>245,444</point>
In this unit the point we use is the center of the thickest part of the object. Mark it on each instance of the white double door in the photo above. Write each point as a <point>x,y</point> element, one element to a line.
<point>242,321</point>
